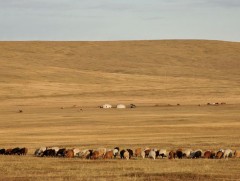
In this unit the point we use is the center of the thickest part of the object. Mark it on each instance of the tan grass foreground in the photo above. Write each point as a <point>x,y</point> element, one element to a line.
<point>40,78</point>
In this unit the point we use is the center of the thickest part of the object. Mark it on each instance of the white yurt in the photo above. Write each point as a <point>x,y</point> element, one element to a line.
<point>106,106</point>
<point>121,106</point>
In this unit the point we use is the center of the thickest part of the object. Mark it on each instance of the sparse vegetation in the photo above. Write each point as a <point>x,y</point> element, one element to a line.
<point>41,78</point>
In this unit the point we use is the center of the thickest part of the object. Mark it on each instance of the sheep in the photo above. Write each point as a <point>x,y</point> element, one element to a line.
<point>143,154</point>
<point>187,153</point>
<point>163,153</point>
<point>227,154</point>
<point>152,154</point>
<point>237,154</point>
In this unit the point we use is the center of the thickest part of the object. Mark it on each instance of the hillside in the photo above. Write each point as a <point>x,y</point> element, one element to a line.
<point>167,71</point>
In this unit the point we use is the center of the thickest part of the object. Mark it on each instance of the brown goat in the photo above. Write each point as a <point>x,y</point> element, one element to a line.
<point>138,152</point>
<point>109,155</point>
<point>69,153</point>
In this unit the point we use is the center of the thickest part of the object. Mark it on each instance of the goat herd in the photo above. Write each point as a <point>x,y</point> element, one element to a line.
<point>103,153</point>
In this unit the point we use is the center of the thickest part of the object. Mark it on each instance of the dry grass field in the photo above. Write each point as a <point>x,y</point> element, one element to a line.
<point>52,81</point>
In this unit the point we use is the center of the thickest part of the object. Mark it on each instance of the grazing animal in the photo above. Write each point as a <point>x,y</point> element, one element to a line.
<point>15,151</point>
<point>213,155</point>
<point>40,151</point>
<point>61,152</point>
<point>157,153</point>
<point>219,154</point>
<point>95,155</point>
<point>147,151</point>
<point>2,151</point>
<point>54,148</point>
<point>102,151</point>
<point>49,152</point>
<point>143,154</point>
<point>126,155</point>
<point>163,153</point>
<point>23,151</point>
<point>138,152</point>
<point>179,153</point>
<point>8,151</point>
<point>207,154</point>
<point>187,153</point>
<point>85,154</point>
<point>122,154</point>
<point>237,154</point>
<point>69,153</point>
<point>152,154</point>
<point>76,151</point>
<point>172,155</point>
<point>130,153</point>
<point>197,154</point>
<point>228,154</point>
<point>89,154</point>
<point>108,155</point>
<point>116,152</point>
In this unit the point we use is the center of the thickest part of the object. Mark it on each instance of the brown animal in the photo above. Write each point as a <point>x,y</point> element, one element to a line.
<point>219,154</point>
<point>237,154</point>
<point>95,155</point>
<point>138,152</point>
<point>207,154</point>
<point>147,151</point>
<point>108,155</point>
<point>172,155</point>
<point>102,152</point>
<point>8,151</point>
<point>126,155</point>
<point>69,153</point>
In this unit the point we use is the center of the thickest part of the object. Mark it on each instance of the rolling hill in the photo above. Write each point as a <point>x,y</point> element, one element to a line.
<point>158,72</point>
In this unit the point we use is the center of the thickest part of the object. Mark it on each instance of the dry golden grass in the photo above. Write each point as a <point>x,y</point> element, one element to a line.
<point>42,77</point>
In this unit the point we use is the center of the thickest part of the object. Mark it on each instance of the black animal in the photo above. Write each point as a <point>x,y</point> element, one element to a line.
<point>130,153</point>
<point>15,151</point>
<point>197,154</point>
<point>22,151</point>
<point>122,154</point>
<point>2,151</point>
<point>157,153</point>
<point>89,156</point>
<point>49,152</point>
<point>61,152</point>
<point>179,154</point>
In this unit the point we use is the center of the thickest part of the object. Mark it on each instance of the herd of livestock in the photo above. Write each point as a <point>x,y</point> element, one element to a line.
<point>103,153</point>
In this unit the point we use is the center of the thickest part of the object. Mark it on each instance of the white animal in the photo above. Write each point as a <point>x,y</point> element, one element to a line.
<point>40,151</point>
<point>115,152</point>
<point>187,153</point>
<point>152,154</point>
<point>163,153</point>
<point>143,154</point>
<point>228,153</point>
<point>84,153</point>
<point>76,151</point>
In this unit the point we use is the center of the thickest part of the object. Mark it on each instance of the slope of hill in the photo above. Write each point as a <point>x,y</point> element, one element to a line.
<point>168,71</point>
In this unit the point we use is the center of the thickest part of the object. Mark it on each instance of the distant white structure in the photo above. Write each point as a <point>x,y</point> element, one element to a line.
<point>106,106</point>
<point>121,106</point>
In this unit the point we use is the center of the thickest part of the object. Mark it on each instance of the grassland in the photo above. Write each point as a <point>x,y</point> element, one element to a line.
<point>41,77</point>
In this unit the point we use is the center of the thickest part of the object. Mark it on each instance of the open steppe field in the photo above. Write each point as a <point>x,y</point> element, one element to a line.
<point>59,86</point>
